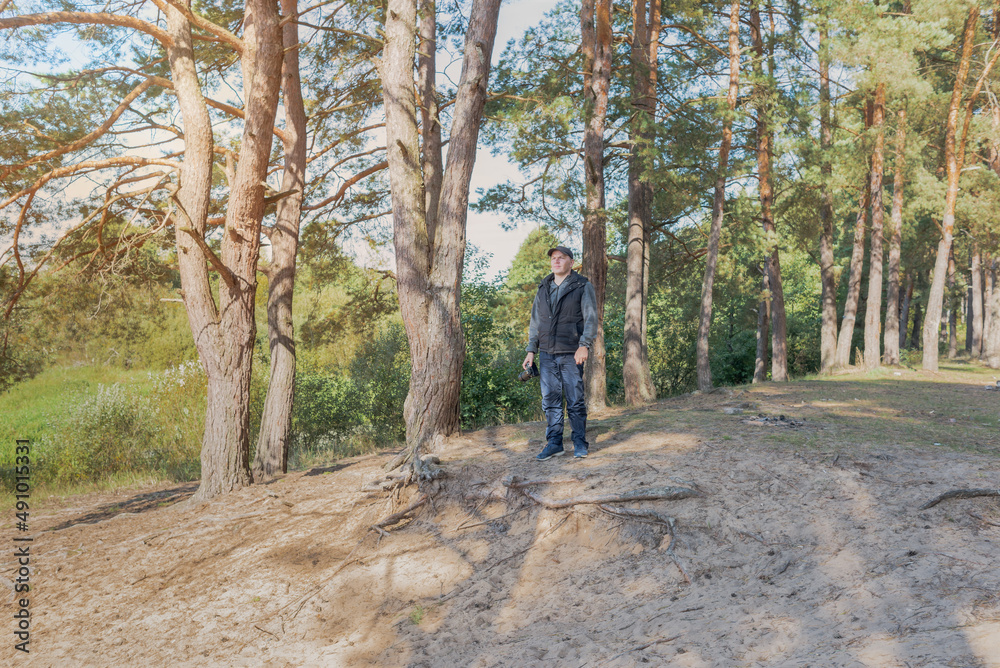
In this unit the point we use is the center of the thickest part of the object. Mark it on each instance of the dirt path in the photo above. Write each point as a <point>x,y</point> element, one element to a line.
<point>807,549</point>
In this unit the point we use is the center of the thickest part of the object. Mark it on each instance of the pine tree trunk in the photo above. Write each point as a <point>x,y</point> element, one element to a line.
<point>953,164</point>
<point>873,307</point>
<point>636,375</point>
<point>429,255</point>
<point>224,337</point>
<point>271,457</point>
<point>892,339</point>
<point>828,327</point>
<point>991,313</point>
<point>846,336</point>
<point>976,307</point>
<point>779,342</point>
<point>763,322</point>
<point>952,309</point>
<point>918,323</point>
<point>595,21</point>
<point>705,315</point>
<point>904,310</point>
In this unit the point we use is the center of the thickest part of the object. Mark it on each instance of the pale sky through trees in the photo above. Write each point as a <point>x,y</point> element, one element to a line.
<point>484,229</point>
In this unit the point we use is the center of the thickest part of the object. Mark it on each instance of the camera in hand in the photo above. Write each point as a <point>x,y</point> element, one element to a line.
<point>528,374</point>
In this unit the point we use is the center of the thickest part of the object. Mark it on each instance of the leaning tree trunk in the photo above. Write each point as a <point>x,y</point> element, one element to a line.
<point>954,155</point>
<point>846,336</point>
<point>705,315</point>
<point>636,375</point>
<point>892,340</point>
<point>828,326</point>
<point>429,254</point>
<point>271,457</point>
<point>595,22</point>
<point>873,308</point>
<point>762,89</point>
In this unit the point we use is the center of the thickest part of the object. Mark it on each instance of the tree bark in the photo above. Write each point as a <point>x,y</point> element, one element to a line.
<point>918,324</point>
<point>954,152</point>
<point>763,322</point>
<point>904,310</point>
<point>892,339</point>
<point>271,457</point>
<point>991,344</point>
<point>429,268</point>
<point>595,23</point>
<point>828,326</point>
<point>952,309</point>
<point>873,307</point>
<point>430,123</point>
<point>846,336</point>
<point>718,202</point>
<point>977,303</point>
<point>225,458</point>
<point>779,341</point>
<point>636,375</point>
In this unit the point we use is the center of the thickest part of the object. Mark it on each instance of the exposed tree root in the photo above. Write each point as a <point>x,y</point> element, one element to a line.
<point>417,470</point>
<point>396,518</point>
<point>960,494</point>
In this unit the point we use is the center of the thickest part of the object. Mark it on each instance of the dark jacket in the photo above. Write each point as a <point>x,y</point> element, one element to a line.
<point>559,329</point>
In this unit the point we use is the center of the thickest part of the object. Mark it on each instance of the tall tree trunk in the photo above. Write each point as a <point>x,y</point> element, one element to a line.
<point>904,310</point>
<point>952,309</point>
<point>595,23</point>
<point>989,323</point>
<point>763,322</point>
<point>637,378</point>
<point>977,303</point>
<point>873,307</point>
<point>271,457</point>
<point>429,257</point>
<point>846,336</point>
<point>430,124</point>
<point>705,315</point>
<point>779,341</point>
<point>954,155</point>
<point>991,345</point>
<point>224,336</point>
<point>226,465</point>
<point>918,322</point>
<point>892,339</point>
<point>828,327</point>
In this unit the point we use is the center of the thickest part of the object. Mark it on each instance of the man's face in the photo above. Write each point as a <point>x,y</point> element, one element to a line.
<point>560,262</point>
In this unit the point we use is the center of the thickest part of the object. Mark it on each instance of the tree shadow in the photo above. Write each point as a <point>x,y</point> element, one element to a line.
<point>140,503</point>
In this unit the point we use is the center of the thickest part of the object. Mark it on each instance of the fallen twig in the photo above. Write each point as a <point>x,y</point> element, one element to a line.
<point>960,494</point>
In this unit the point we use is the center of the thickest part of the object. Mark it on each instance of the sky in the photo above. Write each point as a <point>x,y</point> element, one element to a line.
<point>484,230</point>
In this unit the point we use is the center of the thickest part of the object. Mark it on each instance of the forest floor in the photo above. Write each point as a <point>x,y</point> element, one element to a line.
<point>807,547</point>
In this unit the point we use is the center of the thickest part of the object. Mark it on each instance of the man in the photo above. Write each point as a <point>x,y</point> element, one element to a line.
<point>563,325</point>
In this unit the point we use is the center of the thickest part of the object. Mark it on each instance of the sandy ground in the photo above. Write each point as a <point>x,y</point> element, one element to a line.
<point>807,548</point>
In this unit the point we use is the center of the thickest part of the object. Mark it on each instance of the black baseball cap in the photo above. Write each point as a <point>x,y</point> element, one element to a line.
<point>562,249</point>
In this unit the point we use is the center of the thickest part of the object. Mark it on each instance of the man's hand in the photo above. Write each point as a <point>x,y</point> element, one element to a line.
<point>528,359</point>
<point>581,355</point>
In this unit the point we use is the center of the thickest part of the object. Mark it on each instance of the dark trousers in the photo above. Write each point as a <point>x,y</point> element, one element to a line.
<point>562,376</point>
